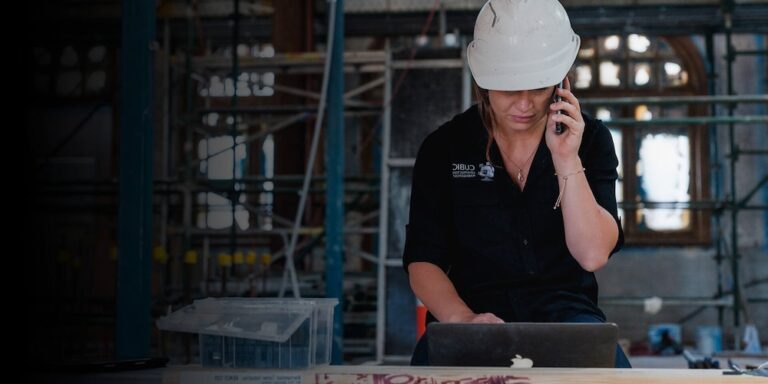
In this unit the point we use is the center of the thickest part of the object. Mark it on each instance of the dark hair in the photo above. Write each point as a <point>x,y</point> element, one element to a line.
<point>486,115</point>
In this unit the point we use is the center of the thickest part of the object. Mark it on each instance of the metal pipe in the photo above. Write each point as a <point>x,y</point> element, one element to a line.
<point>670,100</point>
<point>308,109</point>
<point>334,165</point>
<point>288,270</point>
<point>282,189</point>
<point>701,309</point>
<point>668,301</point>
<point>705,206</point>
<point>311,231</point>
<point>186,231</point>
<point>281,253</point>
<point>364,88</point>
<point>187,174</point>
<point>401,162</point>
<point>258,119</point>
<point>381,287</point>
<point>752,192</point>
<point>714,205</point>
<point>758,152</point>
<point>166,124</point>
<point>158,190</point>
<point>699,204</point>
<point>134,233</point>
<point>173,182</point>
<point>757,52</point>
<point>310,70</point>
<point>234,194</point>
<point>79,127</point>
<point>296,92</point>
<point>316,96</point>
<point>373,259</point>
<point>313,149</point>
<point>717,171</point>
<point>287,178</point>
<point>205,261</point>
<point>734,211</point>
<point>281,60</point>
<point>693,120</point>
<point>428,64</point>
<point>363,219</point>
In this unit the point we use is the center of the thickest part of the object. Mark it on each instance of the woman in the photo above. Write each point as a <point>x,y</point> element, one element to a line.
<point>509,218</point>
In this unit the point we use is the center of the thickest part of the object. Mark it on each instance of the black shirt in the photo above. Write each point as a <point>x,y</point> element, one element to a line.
<point>504,249</point>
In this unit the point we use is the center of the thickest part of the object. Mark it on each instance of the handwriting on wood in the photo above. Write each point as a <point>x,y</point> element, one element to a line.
<point>384,378</point>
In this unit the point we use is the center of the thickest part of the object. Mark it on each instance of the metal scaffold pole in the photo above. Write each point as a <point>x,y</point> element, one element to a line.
<point>334,157</point>
<point>733,158</point>
<point>136,160</point>
<point>381,287</point>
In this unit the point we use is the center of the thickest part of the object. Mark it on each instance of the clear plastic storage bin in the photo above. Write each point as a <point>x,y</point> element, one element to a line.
<point>258,332</point>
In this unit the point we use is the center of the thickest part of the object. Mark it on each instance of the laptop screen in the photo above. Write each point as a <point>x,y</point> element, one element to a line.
<point>584,345</point>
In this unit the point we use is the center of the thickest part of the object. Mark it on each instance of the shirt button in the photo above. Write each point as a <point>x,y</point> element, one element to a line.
<point>525,242</point>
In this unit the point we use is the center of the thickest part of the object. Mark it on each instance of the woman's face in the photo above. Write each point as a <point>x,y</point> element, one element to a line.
<point>520,110</point>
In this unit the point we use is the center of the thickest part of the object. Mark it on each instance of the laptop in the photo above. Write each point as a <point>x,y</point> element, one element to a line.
<point>523,345</point>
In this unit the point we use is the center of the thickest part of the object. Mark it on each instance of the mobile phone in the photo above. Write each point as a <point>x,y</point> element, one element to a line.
<point>555,97</point>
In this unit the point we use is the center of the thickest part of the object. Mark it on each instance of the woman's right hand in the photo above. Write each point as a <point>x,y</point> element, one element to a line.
<point>487,318</point>
<point>432,286</point>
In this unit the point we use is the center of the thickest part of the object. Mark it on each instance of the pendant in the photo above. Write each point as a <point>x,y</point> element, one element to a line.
<point>520,176</point>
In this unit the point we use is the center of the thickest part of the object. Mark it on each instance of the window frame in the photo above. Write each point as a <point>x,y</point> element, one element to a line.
<point>698,233</point>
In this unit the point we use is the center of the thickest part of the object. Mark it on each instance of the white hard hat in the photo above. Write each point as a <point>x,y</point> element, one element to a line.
<point>521,45</point>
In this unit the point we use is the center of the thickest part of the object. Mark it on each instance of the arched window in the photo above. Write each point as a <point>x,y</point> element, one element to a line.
<point>658,163</point>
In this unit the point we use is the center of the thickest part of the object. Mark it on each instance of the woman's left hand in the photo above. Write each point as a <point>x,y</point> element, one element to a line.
<point>565,145</point>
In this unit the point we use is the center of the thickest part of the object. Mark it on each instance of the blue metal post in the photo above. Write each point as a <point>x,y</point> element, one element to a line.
<point>136,151</point>
<point>716,168</point>
<point>334,163</point>
<point>734,157</point>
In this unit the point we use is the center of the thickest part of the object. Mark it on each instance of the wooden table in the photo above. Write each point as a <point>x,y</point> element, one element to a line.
<point>450,375</point>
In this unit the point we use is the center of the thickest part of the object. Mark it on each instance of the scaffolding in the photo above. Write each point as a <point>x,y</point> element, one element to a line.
<point>725,298</point>
<point>272,119</point>
<point>381,62</point>
<point>176,189</point>
<point>731,204</point>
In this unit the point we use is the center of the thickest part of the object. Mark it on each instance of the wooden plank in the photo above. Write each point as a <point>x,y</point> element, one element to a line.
<point>450,375</point>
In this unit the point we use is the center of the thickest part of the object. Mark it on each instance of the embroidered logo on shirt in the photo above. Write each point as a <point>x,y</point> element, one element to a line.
<point>469,171</point>
<point>486,172</point>
<point>464,171</point>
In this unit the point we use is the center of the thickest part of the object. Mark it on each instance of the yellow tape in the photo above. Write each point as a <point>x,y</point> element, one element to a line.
<point>225,260</point>
<point>190,257</point>
<point>160,255</point>
<point>238,258</point>
<point>250,258</point>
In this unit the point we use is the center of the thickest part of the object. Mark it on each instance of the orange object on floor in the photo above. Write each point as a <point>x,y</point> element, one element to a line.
<point>421,319</point>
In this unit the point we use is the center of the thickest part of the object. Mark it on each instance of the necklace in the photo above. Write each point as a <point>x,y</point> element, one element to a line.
<point>520,178</point>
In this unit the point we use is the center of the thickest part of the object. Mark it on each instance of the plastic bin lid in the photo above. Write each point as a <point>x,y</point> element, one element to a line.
<point>269,319</point>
